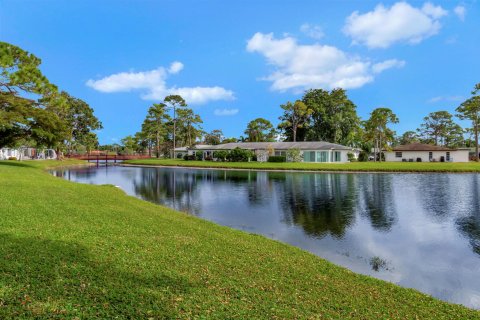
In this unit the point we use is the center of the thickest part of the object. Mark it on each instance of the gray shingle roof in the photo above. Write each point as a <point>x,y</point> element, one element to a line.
<point>421,147</point>
<point>302,145</point>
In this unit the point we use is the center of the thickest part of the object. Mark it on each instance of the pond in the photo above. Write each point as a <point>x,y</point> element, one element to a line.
<point>417,230</point>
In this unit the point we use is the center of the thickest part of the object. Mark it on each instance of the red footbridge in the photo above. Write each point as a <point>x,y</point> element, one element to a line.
<point>108,157</point>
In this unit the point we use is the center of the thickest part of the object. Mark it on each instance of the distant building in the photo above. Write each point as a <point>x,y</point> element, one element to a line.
<point>312,151</point>
<point>25,153</point>
<point>419,152</point>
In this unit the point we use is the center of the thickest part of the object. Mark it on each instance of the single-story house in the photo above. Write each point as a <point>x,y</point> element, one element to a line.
<point>311,151</point>
<point>420,152</point>
<point>25,153</point>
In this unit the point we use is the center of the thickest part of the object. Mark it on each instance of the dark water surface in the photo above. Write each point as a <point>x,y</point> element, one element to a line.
<point>417,230</point>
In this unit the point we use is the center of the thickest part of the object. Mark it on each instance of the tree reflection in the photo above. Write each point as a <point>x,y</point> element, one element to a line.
<point>321,204</point>
<point>469,226</point>
<point>84,173</point>
<point>436,196</point>
<point>378,199</point>
<point>174,188</point>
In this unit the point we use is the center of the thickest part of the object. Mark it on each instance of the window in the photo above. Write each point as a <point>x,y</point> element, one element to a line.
<point>280,153</point>
<point>338,156</point>
<point>309,156</point>
<point>398,154</point>
<point>322,156</point>
<point>430,155</point>
<point>448,156</point>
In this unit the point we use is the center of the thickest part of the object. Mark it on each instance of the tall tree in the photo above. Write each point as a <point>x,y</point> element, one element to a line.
<point>174,102</point>
<point>440,129</point>
<point>408,137</point>
<point>214,137</point>
<point>90,141</point>
<point>260,130</point>
<point>155,125</point>
<point>229,140</point>
<point>23,87</point>
<point>470,109</point>
<point>129,143</point>
<point>188,126</point>
<point>295,115</point>
<point>77,119</point>
<point>334,117</point>
<point>33,111</point>
<point>377,130</point>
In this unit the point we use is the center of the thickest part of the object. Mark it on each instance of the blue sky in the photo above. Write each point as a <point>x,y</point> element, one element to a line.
<point>236,61</point>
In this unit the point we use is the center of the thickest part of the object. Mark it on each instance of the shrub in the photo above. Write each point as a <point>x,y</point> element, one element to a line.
<point>351,157</point>
<point>189,157</point>
<point>277,159</point>
<point>363,156</point>
<point>221,155</point>
<point>180,156</point>
<point>294,155</point>
<point>199,156</point>
<point>240,155</point>
<point>12,158</point>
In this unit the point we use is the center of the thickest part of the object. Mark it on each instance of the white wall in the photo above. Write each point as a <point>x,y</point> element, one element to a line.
<point>455,156</point>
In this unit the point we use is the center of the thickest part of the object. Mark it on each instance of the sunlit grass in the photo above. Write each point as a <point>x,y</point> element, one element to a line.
<point>77,251</point>
<point>352,166</point>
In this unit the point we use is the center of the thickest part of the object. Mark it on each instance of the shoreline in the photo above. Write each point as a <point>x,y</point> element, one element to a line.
<point>296,170</point>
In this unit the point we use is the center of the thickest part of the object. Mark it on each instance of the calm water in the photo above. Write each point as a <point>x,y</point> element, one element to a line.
<point>416,230</point>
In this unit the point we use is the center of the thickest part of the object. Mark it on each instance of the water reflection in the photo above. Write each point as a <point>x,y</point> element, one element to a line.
<point>420,230</point>
<point>469,225</point>
<point>171,188</point>
<point>378,198</point>
<point>320,204</point>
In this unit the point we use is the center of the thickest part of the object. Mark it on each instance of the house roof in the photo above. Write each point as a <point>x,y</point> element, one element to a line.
<point>421,147</point>
<point>302,145</point>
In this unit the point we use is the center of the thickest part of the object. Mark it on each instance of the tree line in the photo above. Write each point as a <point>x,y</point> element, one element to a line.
<point>320,115</point>
<point>35,113</point>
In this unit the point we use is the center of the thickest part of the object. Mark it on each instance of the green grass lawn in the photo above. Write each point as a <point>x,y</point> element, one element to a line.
<point>77,251</point>
<point>353,166</point>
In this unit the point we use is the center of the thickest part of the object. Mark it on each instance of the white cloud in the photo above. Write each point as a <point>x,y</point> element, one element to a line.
<point>300,67</point>
<point>127,81</point>
<point>460,11</point>
<point>313,31</point>
<point>225,112</point>
<point>400,23</point>
<point>153,82</point>
<point>387,64</point>
<point>446,99</point>
<point>175,67</point>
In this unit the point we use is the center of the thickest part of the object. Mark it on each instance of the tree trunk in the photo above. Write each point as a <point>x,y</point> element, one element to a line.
<point>59,154</point>
<point>174,128</point>
<point>380,150</point>
<point>158,146</point>
<point>294,133</point>
<point>476,140</point>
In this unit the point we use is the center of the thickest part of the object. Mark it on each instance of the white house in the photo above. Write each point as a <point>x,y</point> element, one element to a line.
<point>25,153</point>
<point>312,151</point>
<point>419,152</point>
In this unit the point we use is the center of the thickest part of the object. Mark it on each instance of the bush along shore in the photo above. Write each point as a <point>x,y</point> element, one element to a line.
<point>306,166</point>
<point>81,251</point>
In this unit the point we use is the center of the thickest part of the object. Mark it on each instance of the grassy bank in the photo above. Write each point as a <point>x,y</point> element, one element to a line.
<point>353,166</point>
<point>82,251</point>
